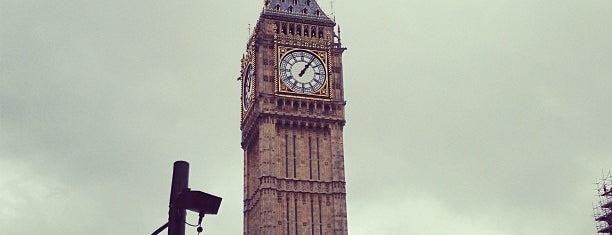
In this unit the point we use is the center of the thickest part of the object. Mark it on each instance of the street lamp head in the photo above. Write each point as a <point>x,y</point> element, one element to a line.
<point>199,202</point>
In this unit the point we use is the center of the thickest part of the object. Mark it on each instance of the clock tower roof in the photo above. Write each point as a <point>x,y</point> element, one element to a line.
<point>307,10</point>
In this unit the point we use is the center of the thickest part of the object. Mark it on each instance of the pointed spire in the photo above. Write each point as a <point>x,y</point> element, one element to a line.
<point>333,12</point>
<point>339,35</point>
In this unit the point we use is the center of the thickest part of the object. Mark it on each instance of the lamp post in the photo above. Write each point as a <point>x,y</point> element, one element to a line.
<point>182,198</point>
<point>180,183</point>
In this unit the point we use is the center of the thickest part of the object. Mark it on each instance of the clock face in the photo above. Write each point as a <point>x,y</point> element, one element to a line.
<point>303,72</point>
<point>248,87</point>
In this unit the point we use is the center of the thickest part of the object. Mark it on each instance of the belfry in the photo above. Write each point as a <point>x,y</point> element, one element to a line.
<point>292,121</point>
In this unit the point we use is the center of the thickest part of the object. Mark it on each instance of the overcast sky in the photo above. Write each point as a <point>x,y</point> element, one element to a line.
<point>488,117</point>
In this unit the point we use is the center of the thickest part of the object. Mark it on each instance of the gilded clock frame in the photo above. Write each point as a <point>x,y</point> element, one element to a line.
<point>246,62</point>
<point>324,93</point>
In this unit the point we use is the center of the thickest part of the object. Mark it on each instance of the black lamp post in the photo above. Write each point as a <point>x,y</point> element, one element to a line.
<point>182,198</point>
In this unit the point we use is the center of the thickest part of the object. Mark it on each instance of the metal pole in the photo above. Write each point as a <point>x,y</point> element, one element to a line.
<point>160,229</point>
<point>180,182</point>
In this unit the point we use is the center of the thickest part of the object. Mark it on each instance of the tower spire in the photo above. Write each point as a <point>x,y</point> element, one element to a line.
<point>333,12</point>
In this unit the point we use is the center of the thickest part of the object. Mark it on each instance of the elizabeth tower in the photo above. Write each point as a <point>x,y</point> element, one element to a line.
<point>292,123</point>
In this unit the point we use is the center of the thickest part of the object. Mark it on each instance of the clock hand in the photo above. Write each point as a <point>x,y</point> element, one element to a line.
<point>305,67</point>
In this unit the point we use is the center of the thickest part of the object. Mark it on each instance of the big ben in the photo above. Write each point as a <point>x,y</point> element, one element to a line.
<point>292,121</point>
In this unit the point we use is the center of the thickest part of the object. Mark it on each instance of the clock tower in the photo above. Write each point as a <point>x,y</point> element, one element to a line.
<point>292,120</point>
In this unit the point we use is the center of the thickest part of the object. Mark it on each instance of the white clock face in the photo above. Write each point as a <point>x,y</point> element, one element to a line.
<point>303,72</point>
<point>248,87</point>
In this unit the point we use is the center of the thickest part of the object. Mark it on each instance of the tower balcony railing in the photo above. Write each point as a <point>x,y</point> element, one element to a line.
<point>317,108</point>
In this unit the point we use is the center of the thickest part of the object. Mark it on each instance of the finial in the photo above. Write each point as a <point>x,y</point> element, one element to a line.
<point>333,12</point>
<point>339,35</point>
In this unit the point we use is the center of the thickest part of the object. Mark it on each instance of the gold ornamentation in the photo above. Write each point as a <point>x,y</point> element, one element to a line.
<point>282,90</point>
<point>249,60</point>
